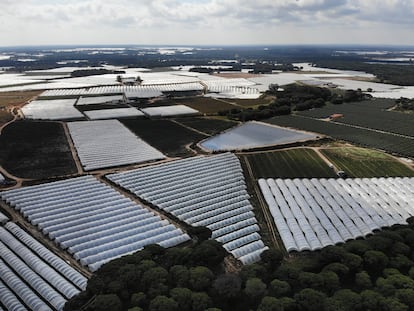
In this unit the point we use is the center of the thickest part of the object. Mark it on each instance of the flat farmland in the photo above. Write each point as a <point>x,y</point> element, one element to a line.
<point>165,135</point>
<point>360,136</point>
<point>16,98</point>
<point>291,163</point>
<point>370,114</point>
<point>207,125</point>
<point>36,150</point>
<point>206,105</point>
<point>251,102</point>
<point>360,162</point>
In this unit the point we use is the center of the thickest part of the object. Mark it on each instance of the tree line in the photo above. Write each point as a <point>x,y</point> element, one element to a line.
<point>376,273</point>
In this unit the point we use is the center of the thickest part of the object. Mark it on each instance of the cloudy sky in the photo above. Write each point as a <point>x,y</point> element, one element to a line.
<point>40,22</point>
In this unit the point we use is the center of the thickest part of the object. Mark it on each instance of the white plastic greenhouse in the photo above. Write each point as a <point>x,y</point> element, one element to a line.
<point>96,225</point>
<point>313,213</point>
<point>108,143</point>
<point>202,191</point>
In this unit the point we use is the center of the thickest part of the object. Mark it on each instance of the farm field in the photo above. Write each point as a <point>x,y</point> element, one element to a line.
<point>363,137</point>
<point>16,98</point>
<point>251,102</point>
<point>206,125</point>
<point>206,105</point>
<point>359,162</point>
<point>168,137</point>
<point>5,117</point>
<point>291,163</point>
<point>372,114</point>
<point>36,150</point>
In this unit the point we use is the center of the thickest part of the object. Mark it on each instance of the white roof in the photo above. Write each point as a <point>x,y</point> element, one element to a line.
<point>113,113</point>
<point>202,191</point>
<point>313,213</point>
<point>166,111</point>
<point>108,143</point>
<point>56,109</point>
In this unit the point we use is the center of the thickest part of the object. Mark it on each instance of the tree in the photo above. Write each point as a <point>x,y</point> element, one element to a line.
<point>200,301</point>
<point>375,261</point>
<point>180,275</point>
<point>270,304</point>
<point>154,277</point>
<point>109,302</point>
<point>371,300</point>
<point>163,303</point>
<point>201,233</point>
<point>352,261</point>
<point>330,281</point>
<point>208,253</point>
<point>138,298</point>
<point>363,280</point>
<point>406,296</point>
<point>183,296</point>
<point>394,305</point>
<point>255,288</point>
<point>310,299</point>
<point>278,288</point>
<point>311,280</point>
<point>338,268</point>
<point>200,278</point>
<point>272,258</point>
<point>347,299</point>
<point>228,286</point>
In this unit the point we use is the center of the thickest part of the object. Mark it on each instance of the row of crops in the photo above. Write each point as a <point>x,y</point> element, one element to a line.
<point>371,114</point>
<point>364,137</point>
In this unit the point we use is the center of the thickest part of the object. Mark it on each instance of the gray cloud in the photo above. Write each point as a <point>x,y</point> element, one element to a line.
<point>218,21</point>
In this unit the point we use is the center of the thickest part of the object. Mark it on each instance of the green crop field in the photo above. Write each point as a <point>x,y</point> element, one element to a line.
<point>207,125</point>
<point>36,150</point>
<point>371,114</point>
<point>165,135</point>
<point>359,162</point>
<point>292,163</point>
<point>360,136</point>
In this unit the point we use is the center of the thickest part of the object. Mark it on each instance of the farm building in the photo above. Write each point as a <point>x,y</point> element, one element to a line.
<point>336,116</point>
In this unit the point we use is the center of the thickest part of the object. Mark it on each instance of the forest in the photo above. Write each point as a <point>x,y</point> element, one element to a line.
<point>375,273</point>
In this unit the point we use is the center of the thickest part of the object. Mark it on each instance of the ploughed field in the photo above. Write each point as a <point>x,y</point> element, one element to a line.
<point>36,150</point>
<point>165,135</point>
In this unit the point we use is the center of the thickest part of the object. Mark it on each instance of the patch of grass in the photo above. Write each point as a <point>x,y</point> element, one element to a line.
<point>205,104</point>
<point>36,150</point>
<point>291,163</point>
<point>16,98</point>
<point>207,125</point>
<point>360,162</point>
<point>165,135</point>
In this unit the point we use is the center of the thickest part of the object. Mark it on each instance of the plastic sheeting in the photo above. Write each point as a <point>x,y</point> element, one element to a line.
<point>95,222</point>
<point>313,213</point>
<point>202,191</point>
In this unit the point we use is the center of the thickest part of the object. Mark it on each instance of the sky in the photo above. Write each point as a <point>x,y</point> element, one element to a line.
<point>206,22</point>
